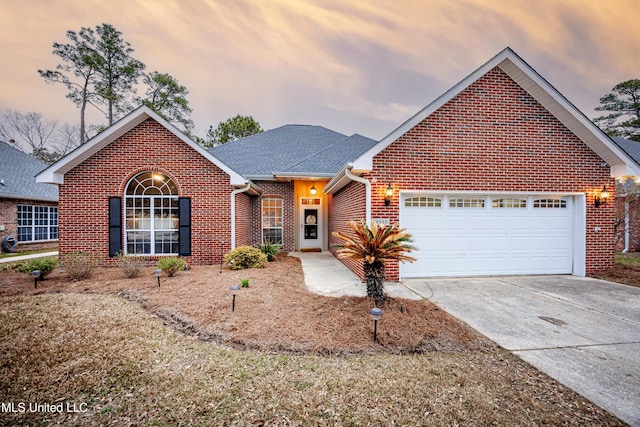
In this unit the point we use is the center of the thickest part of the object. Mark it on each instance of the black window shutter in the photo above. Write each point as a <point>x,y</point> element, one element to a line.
<point>115,226</point>
<point>184,208</point>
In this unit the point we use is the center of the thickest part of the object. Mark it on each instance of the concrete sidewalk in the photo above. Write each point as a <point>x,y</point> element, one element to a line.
<point>25,257</point>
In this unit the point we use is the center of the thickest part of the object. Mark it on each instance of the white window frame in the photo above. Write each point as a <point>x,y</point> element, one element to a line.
<point>36,223</point>
<point>273,222</point>
<point>150,188</point>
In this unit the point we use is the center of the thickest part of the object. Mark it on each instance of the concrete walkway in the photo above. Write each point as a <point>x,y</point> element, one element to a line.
<point>325,275</point>
<point>584,333</point>
<point>25,257</point>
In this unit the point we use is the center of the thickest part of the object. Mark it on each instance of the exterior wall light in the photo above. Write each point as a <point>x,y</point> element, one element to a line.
<point>376,314</point>
<point>313,190</point>
<point>601,198</point>
<point>234,291</point>
<point>157,273</point>
<point>388,194</point>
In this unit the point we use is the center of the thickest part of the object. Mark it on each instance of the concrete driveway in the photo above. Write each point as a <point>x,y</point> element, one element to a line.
<point>583,332</point>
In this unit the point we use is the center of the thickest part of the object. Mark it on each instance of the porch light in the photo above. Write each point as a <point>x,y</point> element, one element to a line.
<point>601,199</point>
<point>376,314</point>
<point>388,195</point>
<point>234,291</point>
<point>313,190</point>
<point>36,275</point>
<point>157,273</point>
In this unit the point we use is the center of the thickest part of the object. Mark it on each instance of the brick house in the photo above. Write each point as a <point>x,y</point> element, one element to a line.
<point>499,175</point>
<point>28,210</point>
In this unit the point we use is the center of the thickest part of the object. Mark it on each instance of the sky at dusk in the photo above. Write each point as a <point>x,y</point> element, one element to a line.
<point>354,66</point>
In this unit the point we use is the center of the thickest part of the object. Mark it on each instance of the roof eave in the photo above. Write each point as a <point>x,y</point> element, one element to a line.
<point>28,197</point>
<point>340,179</point>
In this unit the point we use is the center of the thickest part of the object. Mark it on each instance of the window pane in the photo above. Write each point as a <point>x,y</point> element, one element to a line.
<point>138,242</point>
<point>151,214</point>
<point>466,203</point>
<point>166,242</point>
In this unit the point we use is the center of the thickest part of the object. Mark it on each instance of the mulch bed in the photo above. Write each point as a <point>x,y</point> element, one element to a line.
<point>275,313</point>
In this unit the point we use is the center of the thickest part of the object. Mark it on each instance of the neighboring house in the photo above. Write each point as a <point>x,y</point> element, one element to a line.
<point>627,220</point>
<point>499,175</point>
<point>28,210</point>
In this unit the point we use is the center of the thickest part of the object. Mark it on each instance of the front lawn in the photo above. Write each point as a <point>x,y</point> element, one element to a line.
<point>131,353</point>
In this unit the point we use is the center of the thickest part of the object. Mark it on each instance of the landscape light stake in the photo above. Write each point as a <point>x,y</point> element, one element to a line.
<point>36,275</point>
<point>221,256</point>
<point>157,273</point>
<point>234,291</point>
<point>376,314</point>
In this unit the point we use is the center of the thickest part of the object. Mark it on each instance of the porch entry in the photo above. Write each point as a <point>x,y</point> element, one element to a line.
<point>311,226</point>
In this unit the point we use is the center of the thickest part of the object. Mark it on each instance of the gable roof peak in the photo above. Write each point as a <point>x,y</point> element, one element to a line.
<point>542,91</point>
<point>54,174</point>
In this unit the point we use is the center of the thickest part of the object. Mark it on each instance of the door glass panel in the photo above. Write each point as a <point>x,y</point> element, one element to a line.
<point>310,224</point>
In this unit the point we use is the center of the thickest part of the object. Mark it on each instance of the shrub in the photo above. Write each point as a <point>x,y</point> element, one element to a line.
<point>271,250</point>
<point>245,257</point>
<point>80,265</point>
<point>171,265</point>
<point>45,265</point>
<point>131,265</point>
<point>244,283</point>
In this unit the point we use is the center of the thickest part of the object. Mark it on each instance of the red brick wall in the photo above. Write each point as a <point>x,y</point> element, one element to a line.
<point>84,196</point>
<point>348,204</point>
<point>275,190</point>
<point>494,136</point>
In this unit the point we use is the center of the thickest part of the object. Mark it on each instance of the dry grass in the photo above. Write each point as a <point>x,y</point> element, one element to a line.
<point>129,369</point>
<point>81,342</point>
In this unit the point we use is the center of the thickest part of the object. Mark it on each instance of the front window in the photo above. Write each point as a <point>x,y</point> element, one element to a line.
<point>37,223</point>
<point>272,221</point>
<point>151,215</point>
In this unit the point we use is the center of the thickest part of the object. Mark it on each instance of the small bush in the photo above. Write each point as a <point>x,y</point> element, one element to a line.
<point>171,265</point>
<point>80,265</point>
<point>132,266</point>
<point>45,265</point>
<point>271,250</point>
<point>245,257</point>
<point>244,283</point>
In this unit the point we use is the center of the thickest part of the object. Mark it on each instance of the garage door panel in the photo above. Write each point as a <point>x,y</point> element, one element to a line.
<point>494,240</point>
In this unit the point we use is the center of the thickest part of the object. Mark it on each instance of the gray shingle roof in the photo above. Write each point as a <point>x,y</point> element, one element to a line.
<point>296,149</point>
<point>631,147</point>
<point>17,176</point>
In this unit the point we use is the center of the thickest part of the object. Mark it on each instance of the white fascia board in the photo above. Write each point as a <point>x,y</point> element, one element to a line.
<point>54,174</point>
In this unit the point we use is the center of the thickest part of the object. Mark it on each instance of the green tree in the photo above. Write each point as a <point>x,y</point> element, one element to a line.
<point>167,97</point>
<point>97,68</point>
<point>375,246</point>
<point>77,71</point>
<point>117,72</point>
<point>624,104</point>
<point>234,128</point>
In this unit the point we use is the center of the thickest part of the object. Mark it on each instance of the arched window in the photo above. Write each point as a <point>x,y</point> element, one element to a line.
<point>151,215</point>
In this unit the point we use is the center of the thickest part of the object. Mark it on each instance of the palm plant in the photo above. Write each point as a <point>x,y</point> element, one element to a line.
<point>375,246</point>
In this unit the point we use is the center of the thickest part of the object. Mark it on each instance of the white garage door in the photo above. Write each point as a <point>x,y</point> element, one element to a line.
<point>470,235</point>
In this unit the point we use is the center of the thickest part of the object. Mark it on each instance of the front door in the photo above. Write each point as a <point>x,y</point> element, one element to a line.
<point>310,222</point>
